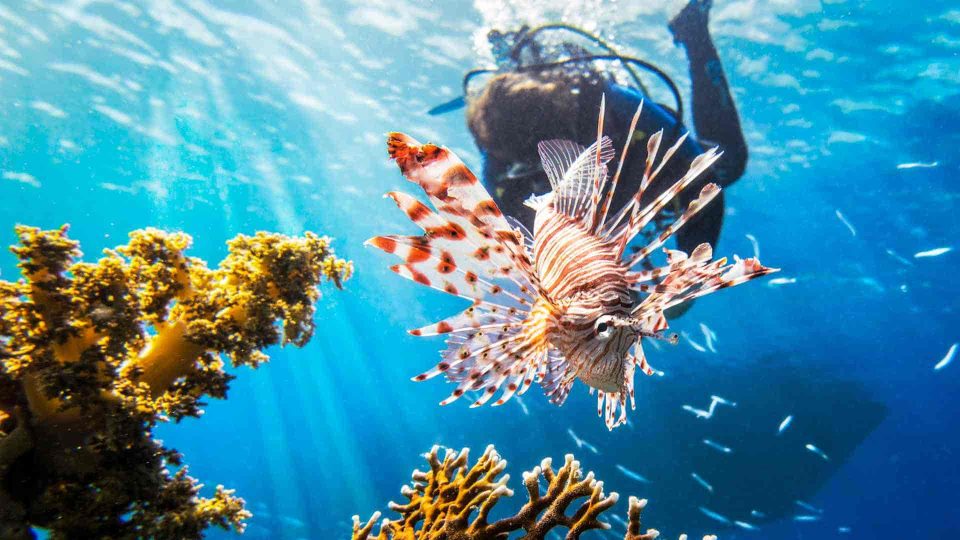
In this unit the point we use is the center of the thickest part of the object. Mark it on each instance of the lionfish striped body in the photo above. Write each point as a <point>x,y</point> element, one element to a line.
<point>560,304</point>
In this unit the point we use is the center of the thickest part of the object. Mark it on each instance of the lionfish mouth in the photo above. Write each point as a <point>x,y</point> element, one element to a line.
<point>642,330</point>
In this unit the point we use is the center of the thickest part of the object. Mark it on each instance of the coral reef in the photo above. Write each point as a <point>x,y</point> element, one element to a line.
<point>94,355</point>
<point>442,500</point>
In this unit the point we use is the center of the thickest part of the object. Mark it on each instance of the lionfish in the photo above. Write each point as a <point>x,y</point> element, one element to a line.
<point>566,302</point>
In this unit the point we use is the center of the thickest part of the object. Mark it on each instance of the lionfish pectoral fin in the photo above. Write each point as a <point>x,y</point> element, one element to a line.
<point>468,248</point>
<point>487,362</point>
<point>452,187</point>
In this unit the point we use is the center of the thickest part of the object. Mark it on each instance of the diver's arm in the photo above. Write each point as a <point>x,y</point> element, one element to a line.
<point>715,114</point>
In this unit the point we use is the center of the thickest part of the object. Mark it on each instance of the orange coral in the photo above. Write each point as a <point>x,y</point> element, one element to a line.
<point>443,499</point>
<point>93,355</point>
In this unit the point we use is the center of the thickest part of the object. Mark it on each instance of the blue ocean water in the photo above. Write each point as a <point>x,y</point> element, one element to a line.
<point>219,118</point>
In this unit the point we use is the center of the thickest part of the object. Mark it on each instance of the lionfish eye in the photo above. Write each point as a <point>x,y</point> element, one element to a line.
<point>603,328</point>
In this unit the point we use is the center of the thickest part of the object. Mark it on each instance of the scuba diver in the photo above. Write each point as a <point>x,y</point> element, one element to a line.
<point>541,91</point>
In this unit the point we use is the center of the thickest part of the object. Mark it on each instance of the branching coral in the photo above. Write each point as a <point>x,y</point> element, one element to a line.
<point>93,355</point>
<point>442,500</point>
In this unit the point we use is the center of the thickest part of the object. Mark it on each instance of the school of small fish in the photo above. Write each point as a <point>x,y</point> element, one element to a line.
<point>810,513</point>
<point>923,254</point>
<point>560,304</point>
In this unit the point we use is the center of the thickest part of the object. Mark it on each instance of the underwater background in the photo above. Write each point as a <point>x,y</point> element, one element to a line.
<point>226,117</point>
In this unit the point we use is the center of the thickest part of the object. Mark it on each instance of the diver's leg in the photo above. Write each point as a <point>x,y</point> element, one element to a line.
<point>715,115</point>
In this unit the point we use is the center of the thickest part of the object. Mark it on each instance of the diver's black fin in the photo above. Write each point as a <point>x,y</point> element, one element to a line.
<point>458,102</point>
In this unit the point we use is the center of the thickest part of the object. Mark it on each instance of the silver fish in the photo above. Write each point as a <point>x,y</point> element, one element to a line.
<point>702,482</point>
<point>945,361</point>
<point>710,336</point>
<point>936,252</point>
<point>717,446</point>
<point>918,165</point>
<point>843,219</point>
<point>756,246</point>
<point>785,424</point>
<point>633,475</point>
<point>715,516</point>
<point>808,506</point>
<point>582,443</point>
<point>817,451</point>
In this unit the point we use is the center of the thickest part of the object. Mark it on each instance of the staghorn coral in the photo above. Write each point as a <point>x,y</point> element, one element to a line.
<point>442,500</point>
<point>94,355</point>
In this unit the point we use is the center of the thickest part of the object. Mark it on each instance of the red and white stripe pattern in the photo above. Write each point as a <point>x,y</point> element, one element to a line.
<point>561,307</point>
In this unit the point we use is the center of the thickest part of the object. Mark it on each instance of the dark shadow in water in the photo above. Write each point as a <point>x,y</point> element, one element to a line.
<point>765,470</point>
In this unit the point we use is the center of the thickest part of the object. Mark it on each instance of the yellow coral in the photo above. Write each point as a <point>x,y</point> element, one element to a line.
<point>442,500</point>
<point>94,354</point>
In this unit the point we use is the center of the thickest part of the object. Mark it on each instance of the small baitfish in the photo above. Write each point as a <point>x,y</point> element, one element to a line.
<point>568,301</point>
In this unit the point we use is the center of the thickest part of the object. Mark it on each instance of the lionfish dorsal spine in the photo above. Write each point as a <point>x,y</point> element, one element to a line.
<point>601,216</point>
<point>640,217</point>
